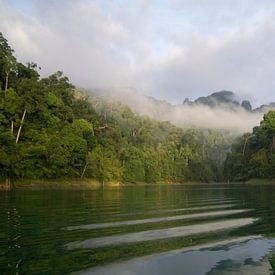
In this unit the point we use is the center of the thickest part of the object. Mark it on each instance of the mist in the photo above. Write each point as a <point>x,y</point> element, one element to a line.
<point>224,117</point>
<point>181,49</point>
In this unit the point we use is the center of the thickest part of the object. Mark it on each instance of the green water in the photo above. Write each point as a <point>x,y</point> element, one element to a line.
<point>139,230</point>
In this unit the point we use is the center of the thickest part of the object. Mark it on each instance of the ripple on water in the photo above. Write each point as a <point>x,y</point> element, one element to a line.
<point>248,255</point>
<point>150,235</point>
<point>155,220</point>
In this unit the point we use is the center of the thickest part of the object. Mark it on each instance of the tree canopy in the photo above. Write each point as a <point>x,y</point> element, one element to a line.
<point>253,154</point>
<point>51,129</point>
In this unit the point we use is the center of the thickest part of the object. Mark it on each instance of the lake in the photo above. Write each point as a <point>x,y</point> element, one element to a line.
<point>161,229</point>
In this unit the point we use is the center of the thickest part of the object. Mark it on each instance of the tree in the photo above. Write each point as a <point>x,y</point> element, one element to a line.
<point>8,62</point>
<point>253,154</point>
<point>50,129</point>
<point>10,65</point>
<point>133,165</point>
<point>105,166</point>
<point>268,124</point>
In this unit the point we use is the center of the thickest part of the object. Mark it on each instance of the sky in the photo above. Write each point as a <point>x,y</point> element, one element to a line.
<point>170,49</point>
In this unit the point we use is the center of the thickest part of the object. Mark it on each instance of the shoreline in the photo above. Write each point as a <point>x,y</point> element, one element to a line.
<point>46,184</point>
<point>91,184</point>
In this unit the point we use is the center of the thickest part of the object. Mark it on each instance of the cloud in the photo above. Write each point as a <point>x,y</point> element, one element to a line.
<point>168,49</point>
<point>79,39</point>
<point>224,117</point>
<point>240,61</point>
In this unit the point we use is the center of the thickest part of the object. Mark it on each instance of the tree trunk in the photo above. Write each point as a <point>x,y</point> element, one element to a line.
<point>273,144</point>
<point>21,125</point>
<point>245,145</point>
<point>12,127</point>
<point>84,170</point>
<point>6,83</point>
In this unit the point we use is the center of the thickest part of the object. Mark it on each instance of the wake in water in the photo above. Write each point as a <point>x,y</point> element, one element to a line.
<point>154,220</point>
<point>150,235</point>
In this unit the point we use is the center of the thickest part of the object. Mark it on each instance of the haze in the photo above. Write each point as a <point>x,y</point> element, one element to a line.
<point>167,49</point>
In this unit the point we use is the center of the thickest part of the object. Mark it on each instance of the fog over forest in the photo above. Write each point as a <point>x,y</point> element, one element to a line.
<point>224,115</point>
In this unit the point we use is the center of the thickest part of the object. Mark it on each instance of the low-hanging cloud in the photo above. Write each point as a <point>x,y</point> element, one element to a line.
<point>170,50</point>
<point>224,116</point>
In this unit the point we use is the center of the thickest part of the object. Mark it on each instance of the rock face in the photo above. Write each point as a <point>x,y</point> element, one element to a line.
<point>186,100</point>
<point>218,98</point>
<point>221,99</point>
<point>229,100</point>
<point>148,105</point>
<point>246,105</point>
<point>265,108</point>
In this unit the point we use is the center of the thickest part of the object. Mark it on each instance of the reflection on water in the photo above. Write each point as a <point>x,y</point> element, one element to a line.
<point>152,220</point>
<point>167,229</point>
<point>238,256</point>
<point>213,205</point>
<point>161,233</point>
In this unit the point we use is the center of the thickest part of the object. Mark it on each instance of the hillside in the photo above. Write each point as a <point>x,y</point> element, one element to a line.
<point>51,130</point>
<point>253,154</point>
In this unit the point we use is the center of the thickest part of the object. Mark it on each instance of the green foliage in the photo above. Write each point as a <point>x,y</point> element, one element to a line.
<point>253,155</point>
<point>61,132</point>
<point>133,165</point>
<point>104,165</point>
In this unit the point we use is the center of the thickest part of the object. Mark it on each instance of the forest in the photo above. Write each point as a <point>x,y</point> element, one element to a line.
<point>50,129</point>
<point>253,154</point>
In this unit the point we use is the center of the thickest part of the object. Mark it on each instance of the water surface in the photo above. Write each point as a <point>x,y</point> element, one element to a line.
<point>207,229</point>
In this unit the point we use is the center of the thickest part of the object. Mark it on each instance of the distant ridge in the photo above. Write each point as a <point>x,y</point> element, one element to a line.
<point>221,98</point>
<point>220,110</point>
<point>230,100</point>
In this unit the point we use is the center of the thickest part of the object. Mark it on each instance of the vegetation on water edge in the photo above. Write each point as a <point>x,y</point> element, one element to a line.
<point>51,130</point>
<point>53,184</point>
<point>253,155</point>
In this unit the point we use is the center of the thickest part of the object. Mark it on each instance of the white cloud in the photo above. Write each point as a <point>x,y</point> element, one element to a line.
<point>172,49</point>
